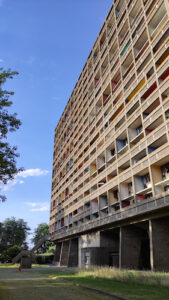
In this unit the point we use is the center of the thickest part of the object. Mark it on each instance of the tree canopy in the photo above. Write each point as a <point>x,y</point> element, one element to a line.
<point>41,231</point>
<point>13,234</point>
<point>8,123</point>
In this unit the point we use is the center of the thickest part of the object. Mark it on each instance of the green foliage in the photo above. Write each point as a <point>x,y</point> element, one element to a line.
<point>41,231</point>
<point>9,254</point>
<point>51,250</point>
<point>8,123</point>
<point>13,233</point>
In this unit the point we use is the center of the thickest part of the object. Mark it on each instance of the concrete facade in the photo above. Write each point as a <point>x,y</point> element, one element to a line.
<point>110,185</point>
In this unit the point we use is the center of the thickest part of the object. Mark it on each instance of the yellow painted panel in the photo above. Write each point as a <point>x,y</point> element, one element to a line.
<point>138,87</point>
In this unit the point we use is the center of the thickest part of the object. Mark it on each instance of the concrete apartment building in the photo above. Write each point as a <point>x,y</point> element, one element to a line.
<point>110,186</point>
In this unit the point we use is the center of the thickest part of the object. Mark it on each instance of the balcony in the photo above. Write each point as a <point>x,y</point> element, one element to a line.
<point>106,95</point>
<point>143,186</point>
<point>149,110</point>
<point>113,51</point>
<point>135,13</point>
<point>141,45</point>
<point>93,169</point>
<point>138,28</point>
<point>104,66</point>
<point>102,41</point>
<point>94,206</point>
<point>111,175</point>
<point>125,48</point>
<point>122,143</point>
<point>135,132</point>
<point>110,24</point>
<point>101,161</point>
<point>98,107</point>
<point>116,80</point>
<point>120,123</point>
<point>124,167</point>
<point>157,144</point>
<point>164,75</point>
<point>127,65</point>
<point>148,92</point>
<point>153,124</point>
<point>126,193</point>
<point>118,8</point>
<point>163,57</point>
<point>123,33</point>
<point>114,204</point>
<point>139,156</point>
<point>157,20</point>
<point>160,175</point>
<point>95,55</point>
<point>133,109</point>
<point>110,154</point>
<point>97,79</point>
<point>103,201</point>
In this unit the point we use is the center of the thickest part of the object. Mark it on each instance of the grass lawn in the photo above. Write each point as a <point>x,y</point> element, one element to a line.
<point>30,285</point>
<point>71,285</point>
<point>130,284</point>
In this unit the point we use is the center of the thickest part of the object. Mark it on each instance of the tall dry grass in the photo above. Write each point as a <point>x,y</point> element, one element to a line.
<point>132,276</point>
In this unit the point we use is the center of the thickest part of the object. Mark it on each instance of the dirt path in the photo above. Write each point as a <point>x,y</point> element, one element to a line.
<point>29,285</point>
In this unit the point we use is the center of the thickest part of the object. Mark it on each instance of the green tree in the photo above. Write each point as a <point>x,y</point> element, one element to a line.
<point>41,231</point>
<point>9,254</point>
<point>13,232</point>
<point>8,123</point>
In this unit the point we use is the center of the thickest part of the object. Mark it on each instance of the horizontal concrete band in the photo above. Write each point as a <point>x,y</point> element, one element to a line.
<point>154,205</point>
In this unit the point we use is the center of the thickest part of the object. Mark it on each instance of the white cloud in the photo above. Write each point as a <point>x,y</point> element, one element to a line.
<point>32,172</point>
<point>23,174</point>
<point>1,60</point>
<point>38,206</point>
<point>8,186</point>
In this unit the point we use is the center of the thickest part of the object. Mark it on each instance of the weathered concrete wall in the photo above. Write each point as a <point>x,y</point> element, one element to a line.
<point>26,262</point>
<point>73,253</point>
<point>130,245</point>
<point>57,253</point>
<point>91,240</point>
<point>94,256</point>
<point>134,246</point>
<point>99,248</point>
<point>110,239</point>
<point>64,253</point>
<point>160,244</point>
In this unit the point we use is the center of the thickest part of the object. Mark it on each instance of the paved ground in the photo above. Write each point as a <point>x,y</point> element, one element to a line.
<point>29,285</point>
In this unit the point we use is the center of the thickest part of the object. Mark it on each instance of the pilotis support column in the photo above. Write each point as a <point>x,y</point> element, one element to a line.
<point>64,253</point>
<point>160,244</point>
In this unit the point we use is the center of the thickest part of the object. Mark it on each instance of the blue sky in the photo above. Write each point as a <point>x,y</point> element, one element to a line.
<point>47,42</point>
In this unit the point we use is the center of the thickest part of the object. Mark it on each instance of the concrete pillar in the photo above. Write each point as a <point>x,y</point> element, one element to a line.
<point>57,253</point>
<point>130,245</point>
<point>73,253</point>
<point>89,244</point>
<point>64,257</point>
<point>95,256</point>
<point>160,244</point>
<point>167,6</point>
<point>109,239</point>
<point>26,262</point>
